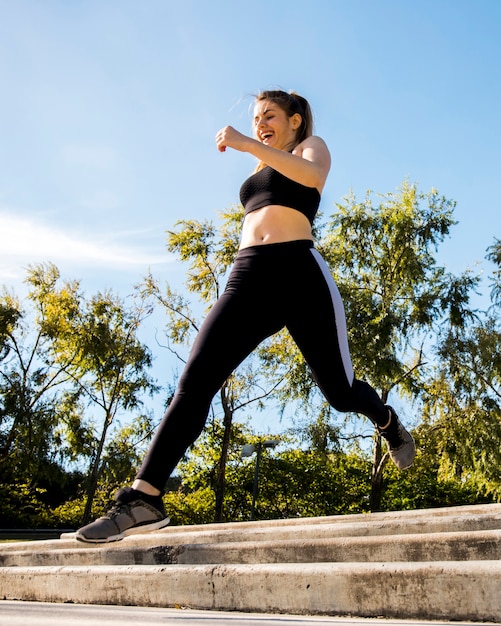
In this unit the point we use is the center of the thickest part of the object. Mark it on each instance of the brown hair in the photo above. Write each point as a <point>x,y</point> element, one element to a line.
<point>291,103</point>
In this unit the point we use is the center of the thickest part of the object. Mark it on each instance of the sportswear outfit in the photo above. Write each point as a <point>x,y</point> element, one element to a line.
<point>270,287</point>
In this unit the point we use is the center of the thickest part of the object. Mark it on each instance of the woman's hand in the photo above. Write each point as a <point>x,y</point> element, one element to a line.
<point>228,137</point>
<point>308,164</point>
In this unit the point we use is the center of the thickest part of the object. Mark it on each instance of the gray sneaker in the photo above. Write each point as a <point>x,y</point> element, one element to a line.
<point>133,512</point>
<point>401,446</point>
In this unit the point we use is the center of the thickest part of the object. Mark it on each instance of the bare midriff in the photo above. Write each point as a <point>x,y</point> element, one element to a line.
<point>274,224</point>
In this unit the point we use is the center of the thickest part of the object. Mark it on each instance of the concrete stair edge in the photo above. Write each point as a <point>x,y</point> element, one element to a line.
<point>451,546</point>
<point>464,519</point>
<point>432,590</point>
<point>426,564</point>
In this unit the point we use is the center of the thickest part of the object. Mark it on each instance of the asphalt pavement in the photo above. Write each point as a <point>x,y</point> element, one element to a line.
<point>48,614</point>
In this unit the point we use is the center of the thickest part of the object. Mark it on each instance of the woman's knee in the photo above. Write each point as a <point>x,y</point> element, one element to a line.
<point>357,397</point>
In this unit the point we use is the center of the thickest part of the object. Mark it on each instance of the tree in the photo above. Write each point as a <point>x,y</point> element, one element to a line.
<point>29,382</point>
<point>94,341</point>
<point>33,409</point>
<point>463,401</point>
<point>299,479</point>
<point>395,294</point>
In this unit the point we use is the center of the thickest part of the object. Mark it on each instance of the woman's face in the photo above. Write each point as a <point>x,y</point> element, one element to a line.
<point>273,127</point>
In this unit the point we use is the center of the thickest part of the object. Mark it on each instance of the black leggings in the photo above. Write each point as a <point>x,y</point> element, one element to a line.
<point>270,287</point>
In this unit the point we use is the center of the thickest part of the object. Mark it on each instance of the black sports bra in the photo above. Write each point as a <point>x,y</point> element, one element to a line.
<point>270,187</point>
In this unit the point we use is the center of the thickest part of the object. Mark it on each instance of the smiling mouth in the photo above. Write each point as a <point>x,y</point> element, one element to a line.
<point>266,136</point>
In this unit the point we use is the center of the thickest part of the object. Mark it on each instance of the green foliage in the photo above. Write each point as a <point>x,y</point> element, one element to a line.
<point>382,258</point>
<point>302,482</point>
<point>72,366</point>
<point>124,452</point>
<point>463,406</point>
<point>430,481</point>
<point>192,507</point>
<point>29,382</point>
<point>381,254</point>
<point>209,251</point>
<point>62,356</point>
<point>68,515</point>
<point>462,399</point>
<point>494,255</point>
<point>50,506</point>
<point>423,486</point>
<point>20,505</point>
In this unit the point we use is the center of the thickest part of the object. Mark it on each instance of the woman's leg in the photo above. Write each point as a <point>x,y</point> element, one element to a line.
<point>318,326</point>
<point>238,322</point>
<point>240,319</point>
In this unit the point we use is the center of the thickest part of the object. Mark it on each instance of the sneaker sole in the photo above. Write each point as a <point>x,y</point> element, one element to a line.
<point>404,467</point>
<point>135,530</point>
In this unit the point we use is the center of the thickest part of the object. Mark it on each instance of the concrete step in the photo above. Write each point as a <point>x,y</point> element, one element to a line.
<point>441,520</point>
<point>437,590</point>
<point>479,545</point>
<point>426,564</point>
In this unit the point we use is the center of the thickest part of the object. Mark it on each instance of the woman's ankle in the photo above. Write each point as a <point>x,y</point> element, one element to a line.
<point>145,487</point>
<point>387,425</point>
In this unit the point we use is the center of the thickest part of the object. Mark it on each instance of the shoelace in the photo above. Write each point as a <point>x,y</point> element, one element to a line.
<point>116,510</point>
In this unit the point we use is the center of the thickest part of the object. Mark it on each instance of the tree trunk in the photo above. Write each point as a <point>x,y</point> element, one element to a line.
<point>221,471</point>
<point>94,472</point>
<point>379,461</point>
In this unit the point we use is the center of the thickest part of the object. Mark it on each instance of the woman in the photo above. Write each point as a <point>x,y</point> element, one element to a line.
<point>278,280</point>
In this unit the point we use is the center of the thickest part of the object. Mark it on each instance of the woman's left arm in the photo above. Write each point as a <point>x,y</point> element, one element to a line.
<point>308,164</point>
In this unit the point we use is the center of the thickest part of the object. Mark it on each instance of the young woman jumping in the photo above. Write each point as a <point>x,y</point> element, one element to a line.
<point>278,280</point>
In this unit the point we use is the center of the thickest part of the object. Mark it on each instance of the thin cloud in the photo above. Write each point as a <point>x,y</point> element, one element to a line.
<point>25,240</point>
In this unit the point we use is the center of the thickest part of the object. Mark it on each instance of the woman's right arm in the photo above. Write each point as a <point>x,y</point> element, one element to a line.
<point>308,164</point>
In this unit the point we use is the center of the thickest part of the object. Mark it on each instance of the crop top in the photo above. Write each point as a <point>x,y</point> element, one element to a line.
<point>270,187</point>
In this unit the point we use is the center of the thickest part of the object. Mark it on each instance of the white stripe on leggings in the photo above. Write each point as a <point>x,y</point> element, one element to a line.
<point>342,333</point>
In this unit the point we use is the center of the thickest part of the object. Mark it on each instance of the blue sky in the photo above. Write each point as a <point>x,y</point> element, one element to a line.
<point>109,111</point>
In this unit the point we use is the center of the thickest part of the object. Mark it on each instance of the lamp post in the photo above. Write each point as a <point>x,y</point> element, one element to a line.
<point>248,450</point>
